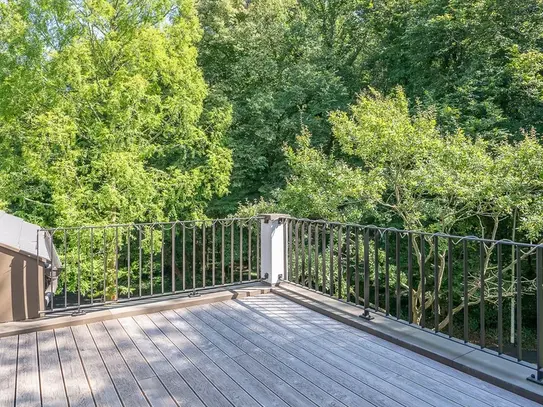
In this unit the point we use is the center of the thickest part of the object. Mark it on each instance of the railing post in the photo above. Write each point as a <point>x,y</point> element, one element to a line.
<point>272,238</point>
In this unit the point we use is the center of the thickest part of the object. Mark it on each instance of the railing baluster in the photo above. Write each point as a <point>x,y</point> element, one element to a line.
<point>519,304</point>
<point>436,284</point>
<point>38,255</point>
<point>538,376</point>
<point>91,244</point>
<point>193,257</point>
<point>323,248</point>
<point>316,256</point>
<point>116,264</point>
<point>296,275</point>
<point>204,254</point>
<point>387,274</point>
<point>290,250</point>
<point>222,254</point>
<point>500,300</point>
<point>105,265</point>
<point>376,238</point>
<point>232,252</point>
<point>422,281</point>
<point>193,292</point>
<point>450,286</point>
<point>51,251</point>
<point>213,255</point>
<point>240,252</point>
<point>249,252</point>
<point>78,270</point>
<point>309,253</point>
<point>339,268</point>
<point>465,286</point>
<point>347,262</point>
<point>482,255</point>
<point>356,263</point>
<point>184,258</point>
<point>366,273</point>
<point>66,270</point>
<point>410,277</point>
<point>173,257</point>
<point>140,250</point>
<point>303,282</point>
<point>152,258</point>
<point>258,250</point>
<point>128,264</point>
<point>398,277</point>
<point>162,251</point>
<point>331,260</point>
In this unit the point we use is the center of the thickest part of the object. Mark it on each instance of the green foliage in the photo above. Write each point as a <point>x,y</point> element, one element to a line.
<point>284,65</point>
<point>105,116</point>
<point>476,61</point>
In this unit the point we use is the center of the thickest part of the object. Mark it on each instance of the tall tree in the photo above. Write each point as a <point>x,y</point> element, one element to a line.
<point>284,65</point>
<point>478,62</point>
<point>104,113</point>
<point>397,166</point>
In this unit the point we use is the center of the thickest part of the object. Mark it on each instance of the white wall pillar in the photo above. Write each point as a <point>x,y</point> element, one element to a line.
<point>272,239</point>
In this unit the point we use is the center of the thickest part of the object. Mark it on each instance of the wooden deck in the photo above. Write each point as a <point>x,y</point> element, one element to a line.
<point>262,350</point>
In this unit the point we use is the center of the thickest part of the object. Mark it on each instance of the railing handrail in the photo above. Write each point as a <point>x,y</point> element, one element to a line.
<point>134,224</point>
<point>420,232</point>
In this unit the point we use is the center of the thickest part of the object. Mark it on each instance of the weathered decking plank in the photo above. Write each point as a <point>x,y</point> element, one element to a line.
<point>8,370</point>
<point>228,387</point>
<point>201,389</point>
<point>326,344</point>
<point>258,371</point>
<point>99,380</point>
<point>255,351</point>
<point>333,376</point>
<point>76,384</point>
<point>368,348</point>
<point>53,392</point>
<point>125,383</point>
<point>132,356</point>
<point>334,389</point>
<point>28,382</point>
<point>256,389</point>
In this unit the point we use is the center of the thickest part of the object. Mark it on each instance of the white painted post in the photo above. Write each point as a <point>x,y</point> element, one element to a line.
<point>272,239</point>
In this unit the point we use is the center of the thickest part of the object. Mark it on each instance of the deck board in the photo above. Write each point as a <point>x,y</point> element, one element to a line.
<point>8,370</point>
<point>53,392</point>
<point>447,382</point>
<point>245,379</point>
<point>75,379</point>
<point>99,380</point>
<point>125,383</point>
<point>253,351</point>
<point>28,382</point>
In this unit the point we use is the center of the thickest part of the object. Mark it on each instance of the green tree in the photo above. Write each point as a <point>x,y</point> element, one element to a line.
<point>398,166</point>
<point>105,117</point>
<point>284,65</point>
<point>478,62</point>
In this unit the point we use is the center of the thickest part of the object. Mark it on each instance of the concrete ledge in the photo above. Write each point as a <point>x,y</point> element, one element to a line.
<point>467,358</point>
<point>128,309</point>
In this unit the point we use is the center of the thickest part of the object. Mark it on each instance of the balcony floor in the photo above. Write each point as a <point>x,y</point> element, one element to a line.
<point>263,350</point>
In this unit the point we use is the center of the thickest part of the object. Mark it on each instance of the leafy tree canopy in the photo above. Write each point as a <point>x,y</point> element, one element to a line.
<point>104,113</point>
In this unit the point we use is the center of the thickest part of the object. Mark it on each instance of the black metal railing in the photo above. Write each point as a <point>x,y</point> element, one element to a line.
<point>116,263</point>
<point>478,291</point>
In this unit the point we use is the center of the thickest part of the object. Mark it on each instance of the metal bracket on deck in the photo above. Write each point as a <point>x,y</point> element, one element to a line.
<point>366,315</point>
<point>194,293</point>
<point>536,378</point>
